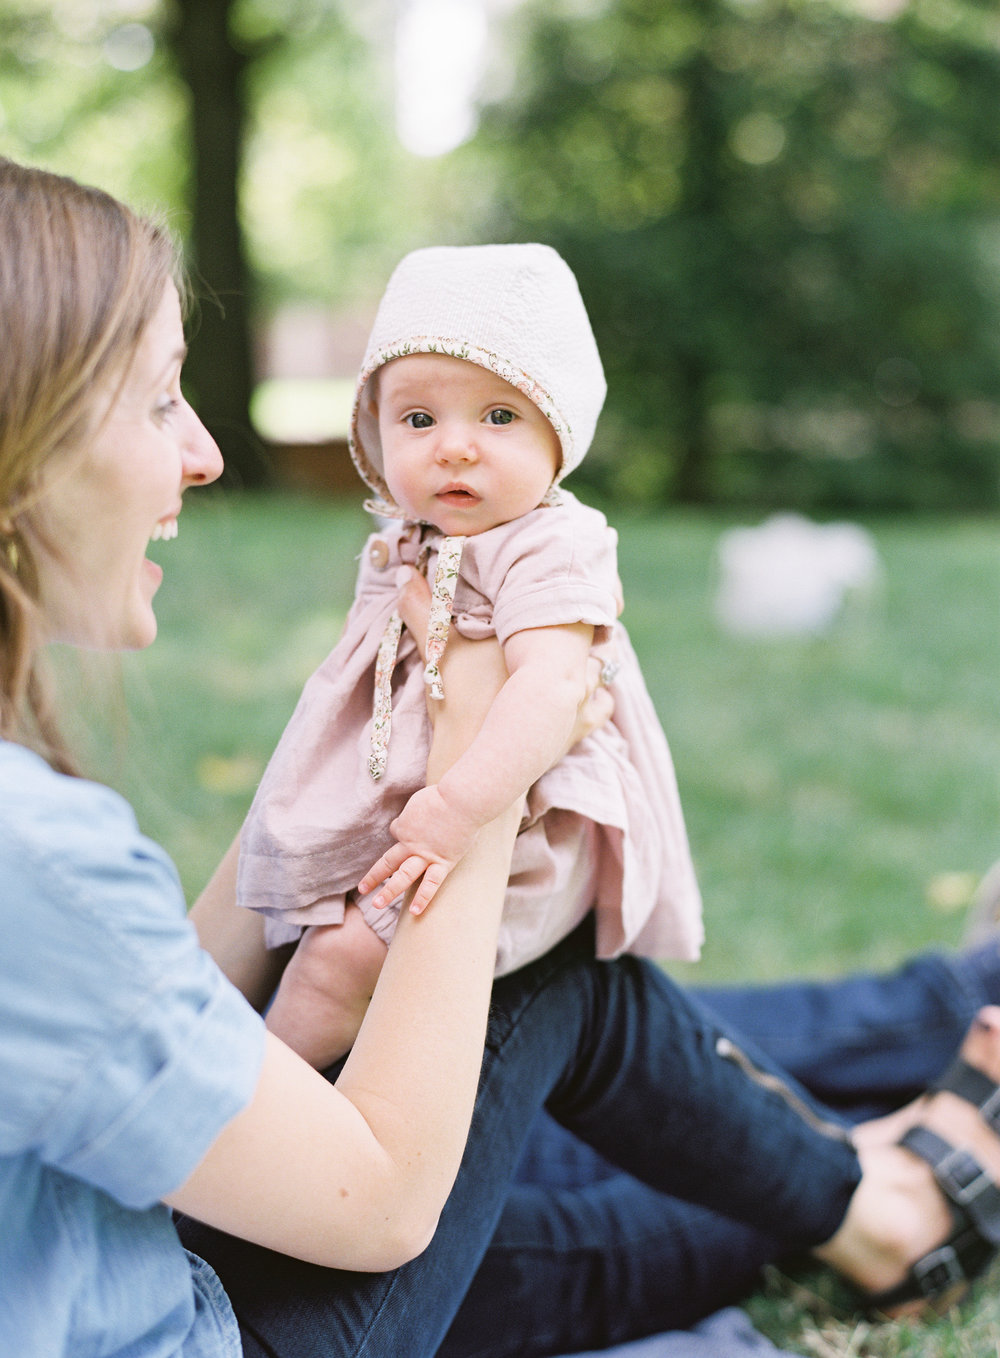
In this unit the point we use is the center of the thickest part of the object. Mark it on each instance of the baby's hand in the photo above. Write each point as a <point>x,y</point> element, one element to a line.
<point>432,837</point>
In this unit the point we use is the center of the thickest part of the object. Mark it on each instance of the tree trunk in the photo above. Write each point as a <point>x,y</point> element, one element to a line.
<point>220,365</point>
<point>692,483</point>
<point>707,135</point>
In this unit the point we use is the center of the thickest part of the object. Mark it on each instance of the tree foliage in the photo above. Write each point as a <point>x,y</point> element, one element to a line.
<point>253,127</point>
<point>783,213</point>
<point>262,128</point>
<point>780,213</point>
<point>88,88</point>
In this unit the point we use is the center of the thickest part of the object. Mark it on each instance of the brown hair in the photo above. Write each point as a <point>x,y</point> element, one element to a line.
<point>81,276</point>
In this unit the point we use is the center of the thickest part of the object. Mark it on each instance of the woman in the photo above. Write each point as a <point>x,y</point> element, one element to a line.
<point>341,1218</point>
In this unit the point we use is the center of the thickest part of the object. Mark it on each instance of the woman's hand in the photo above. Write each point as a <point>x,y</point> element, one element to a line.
<point>598,705</point>
<point>375,1156</point>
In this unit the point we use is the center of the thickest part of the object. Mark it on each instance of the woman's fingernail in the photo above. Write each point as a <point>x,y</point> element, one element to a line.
<point>404,574</point>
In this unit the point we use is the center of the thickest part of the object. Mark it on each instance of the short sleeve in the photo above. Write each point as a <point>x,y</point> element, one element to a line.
<point>123,1049</point>
<point>555,566</point>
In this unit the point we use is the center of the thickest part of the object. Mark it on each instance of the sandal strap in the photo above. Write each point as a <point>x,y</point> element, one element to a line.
<point>967,1186</point>
<point>958,1261</point>
<point>974,1087</point>
<point>975,1207</point>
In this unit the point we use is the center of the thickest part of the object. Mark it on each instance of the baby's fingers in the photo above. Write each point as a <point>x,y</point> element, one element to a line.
<point>408,872</point>
<point>383,867</point>
<point>428,888</point>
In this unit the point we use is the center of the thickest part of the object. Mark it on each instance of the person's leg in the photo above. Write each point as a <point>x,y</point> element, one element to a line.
<point>598,1265</point>
<point>353,955</point>
<point>865,1043</point>
<point>628,1064</point>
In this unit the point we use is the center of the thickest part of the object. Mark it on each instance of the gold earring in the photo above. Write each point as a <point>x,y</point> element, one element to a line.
<point>12,554</point>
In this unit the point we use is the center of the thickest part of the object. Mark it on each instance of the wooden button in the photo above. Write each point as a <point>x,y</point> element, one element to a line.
<point>378,554</point>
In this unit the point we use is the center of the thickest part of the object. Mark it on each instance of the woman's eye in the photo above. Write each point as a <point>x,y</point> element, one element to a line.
<point>163,410</point>
<point>419,420</point>
<point>500,416</point>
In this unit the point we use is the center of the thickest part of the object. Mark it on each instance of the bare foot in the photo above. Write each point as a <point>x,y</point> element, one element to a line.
<point>327,986</point>
<point>898,1213</point>
<point>981,1049</point>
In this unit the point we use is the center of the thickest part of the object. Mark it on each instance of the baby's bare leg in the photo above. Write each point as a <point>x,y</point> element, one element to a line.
<point>326,988</point>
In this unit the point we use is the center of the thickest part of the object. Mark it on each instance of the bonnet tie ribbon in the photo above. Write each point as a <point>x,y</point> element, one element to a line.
<point>442,601</point>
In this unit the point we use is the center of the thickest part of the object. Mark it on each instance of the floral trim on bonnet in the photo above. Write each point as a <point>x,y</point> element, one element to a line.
<point>471,353</point>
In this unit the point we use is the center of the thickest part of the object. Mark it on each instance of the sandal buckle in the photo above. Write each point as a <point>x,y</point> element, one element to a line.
<point>962,1177</point>
<point>936,1272</point>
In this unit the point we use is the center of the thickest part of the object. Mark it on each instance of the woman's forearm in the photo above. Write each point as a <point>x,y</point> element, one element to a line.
<point>414,1068</point>
<point>371,1160</point>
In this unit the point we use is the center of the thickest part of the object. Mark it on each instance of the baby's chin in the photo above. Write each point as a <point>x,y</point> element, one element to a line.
<point>457,525</point>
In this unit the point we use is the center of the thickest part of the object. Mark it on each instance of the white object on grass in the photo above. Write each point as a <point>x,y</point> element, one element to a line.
<point>790,576</point>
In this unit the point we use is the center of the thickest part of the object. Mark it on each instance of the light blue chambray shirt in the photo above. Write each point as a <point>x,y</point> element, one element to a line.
<point>123,1052</point>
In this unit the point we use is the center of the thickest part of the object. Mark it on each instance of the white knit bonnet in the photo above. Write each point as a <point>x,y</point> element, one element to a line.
<point>513,309</point>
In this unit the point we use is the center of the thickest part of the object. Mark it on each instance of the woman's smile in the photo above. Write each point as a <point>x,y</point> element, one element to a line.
<point>92,527</point>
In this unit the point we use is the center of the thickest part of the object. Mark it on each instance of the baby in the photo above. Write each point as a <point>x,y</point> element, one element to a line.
<point>479,391</point>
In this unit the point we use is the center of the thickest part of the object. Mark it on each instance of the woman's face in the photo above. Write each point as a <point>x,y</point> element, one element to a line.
<point>94,519</point>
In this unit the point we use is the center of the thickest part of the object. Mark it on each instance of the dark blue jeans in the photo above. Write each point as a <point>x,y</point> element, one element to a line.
<point>591,1256</point>
<point>624,1061</point>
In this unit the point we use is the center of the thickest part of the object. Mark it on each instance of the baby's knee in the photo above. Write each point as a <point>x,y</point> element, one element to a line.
<point>348,952</point>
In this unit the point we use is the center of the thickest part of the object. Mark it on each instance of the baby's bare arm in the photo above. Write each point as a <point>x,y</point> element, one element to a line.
<point>529,726</point>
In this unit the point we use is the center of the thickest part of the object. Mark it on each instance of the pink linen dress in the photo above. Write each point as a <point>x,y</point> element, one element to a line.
<point>601,830</point>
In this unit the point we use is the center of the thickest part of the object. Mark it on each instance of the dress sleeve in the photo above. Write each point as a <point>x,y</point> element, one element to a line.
<point>123,1048</point>
<point>560,567</point>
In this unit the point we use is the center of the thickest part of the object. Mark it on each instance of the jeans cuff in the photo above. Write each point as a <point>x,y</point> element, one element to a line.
<point>977,972</point>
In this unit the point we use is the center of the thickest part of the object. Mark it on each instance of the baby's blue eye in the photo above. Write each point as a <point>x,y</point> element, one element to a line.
<point>419,420</point>
<point>500,416</point>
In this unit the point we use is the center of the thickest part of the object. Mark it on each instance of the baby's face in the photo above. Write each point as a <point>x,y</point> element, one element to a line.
<point>461,448</point>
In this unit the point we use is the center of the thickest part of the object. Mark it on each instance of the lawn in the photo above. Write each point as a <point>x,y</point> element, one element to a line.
<point>842,793</point>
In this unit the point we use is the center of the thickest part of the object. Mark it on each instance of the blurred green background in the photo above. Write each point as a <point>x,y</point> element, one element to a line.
<point>785,219</point>
<point>783,213</point>
<point>840,790</point>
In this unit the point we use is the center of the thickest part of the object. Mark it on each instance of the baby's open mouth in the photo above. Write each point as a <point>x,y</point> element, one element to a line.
<point>457,495</point>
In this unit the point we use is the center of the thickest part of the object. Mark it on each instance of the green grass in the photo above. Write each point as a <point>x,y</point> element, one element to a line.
<point>830,785</point>
<point>827,783</point>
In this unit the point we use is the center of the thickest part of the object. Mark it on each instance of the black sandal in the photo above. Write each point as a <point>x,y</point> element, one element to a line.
<point>942,1277</point>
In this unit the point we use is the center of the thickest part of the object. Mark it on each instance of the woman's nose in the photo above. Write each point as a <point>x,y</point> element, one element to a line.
<point>202,460</point>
